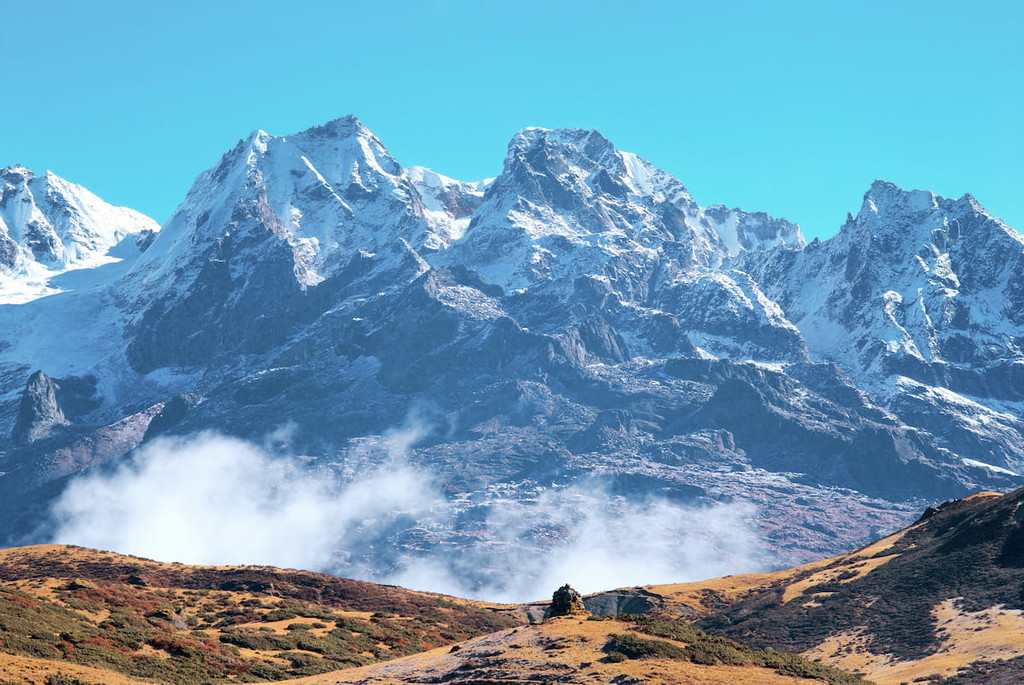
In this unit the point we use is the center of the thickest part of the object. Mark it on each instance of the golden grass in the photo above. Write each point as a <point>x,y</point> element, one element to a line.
<point>705,596</point>
<point>281,627</point>
<point>528,653</point>
<point>983,495</point>
<point>965,637</point>
<point>34,671</point>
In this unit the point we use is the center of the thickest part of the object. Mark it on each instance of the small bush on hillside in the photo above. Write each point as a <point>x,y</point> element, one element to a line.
<point>636,647</point>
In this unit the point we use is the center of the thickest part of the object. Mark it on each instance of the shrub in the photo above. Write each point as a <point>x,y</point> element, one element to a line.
<point>636,647</point>
<point>712,650</point>
<point>62,679</point>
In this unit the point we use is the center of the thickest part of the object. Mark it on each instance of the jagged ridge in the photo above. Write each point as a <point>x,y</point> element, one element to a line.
<point>578,316</point>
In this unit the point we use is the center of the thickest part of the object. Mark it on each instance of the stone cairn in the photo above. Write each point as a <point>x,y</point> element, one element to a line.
<point>566,602</point>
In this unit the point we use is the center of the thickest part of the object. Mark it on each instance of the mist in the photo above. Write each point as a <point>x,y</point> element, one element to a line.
<point>212,499</point>
<point>595,541</point>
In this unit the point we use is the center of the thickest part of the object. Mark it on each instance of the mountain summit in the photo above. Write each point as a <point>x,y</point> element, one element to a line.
<point>48,226</point>
<point>568,201</point>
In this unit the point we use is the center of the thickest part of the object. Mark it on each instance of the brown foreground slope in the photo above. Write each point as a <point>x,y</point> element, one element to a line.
<point>182,624</point>
<point>101,618</point>
<point>939,602</point>
<point>580,651</point>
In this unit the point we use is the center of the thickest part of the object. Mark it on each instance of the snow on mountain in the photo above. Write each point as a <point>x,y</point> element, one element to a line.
<point>742,232</point>
<point>288,220</point>
<point>914,280</point>
<point>578,316</point>
<point>332,204</point>
<point>920,299</point>
<point>49,226</point>
<point>448,205</point>
<point>568,202</point>
<point>913,276</point>
<point>568,205</point>
<point>323,195</point>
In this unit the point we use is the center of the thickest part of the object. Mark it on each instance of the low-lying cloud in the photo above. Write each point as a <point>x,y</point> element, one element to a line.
<point>211,499</point>
<point>595,541</point>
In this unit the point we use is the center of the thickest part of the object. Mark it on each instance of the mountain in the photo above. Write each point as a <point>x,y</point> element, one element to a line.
<point>105,618</point>
<point>919,300</point>
<point>48,226</point>
<point>577,327</point>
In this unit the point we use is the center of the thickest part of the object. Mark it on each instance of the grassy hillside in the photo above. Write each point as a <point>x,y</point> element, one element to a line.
<point>183,624</point>
<point>938,602</point>
<point>581,651</point>
<point>73,616</point>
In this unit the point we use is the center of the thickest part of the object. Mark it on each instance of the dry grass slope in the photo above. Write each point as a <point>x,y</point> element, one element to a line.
<point>182,625</point>
<point>567,650</point>
<point>939,602</point>
<point>72,616</point>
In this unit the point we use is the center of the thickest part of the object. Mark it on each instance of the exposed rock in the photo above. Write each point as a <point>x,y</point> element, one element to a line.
<point>39,413</point>
<point>566,602</point>
<point>171,414</point>
<point>633,602</point>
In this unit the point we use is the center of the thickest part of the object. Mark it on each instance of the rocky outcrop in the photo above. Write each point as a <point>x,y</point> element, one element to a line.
<point>39,414</point>
<point>634,602</point>
<point>566,602</point>
<point>171,414</point>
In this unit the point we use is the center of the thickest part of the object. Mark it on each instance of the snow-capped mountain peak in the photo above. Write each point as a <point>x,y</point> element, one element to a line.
<point>887,206</point>
<point>323,194</point>
<point>885,197</point>
<point>569,202</point>
<point>49,225</point>
<point>587,162</point>
<point>919,299</point>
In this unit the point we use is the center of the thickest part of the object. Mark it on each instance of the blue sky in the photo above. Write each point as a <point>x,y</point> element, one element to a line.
<point>787,107</point>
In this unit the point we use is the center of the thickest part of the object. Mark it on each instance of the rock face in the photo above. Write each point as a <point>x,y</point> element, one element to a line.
<point>634,602</point>
<point>566,602</point>
<point>918,299</point>
<point>39,413</point>
<point>579,319</point>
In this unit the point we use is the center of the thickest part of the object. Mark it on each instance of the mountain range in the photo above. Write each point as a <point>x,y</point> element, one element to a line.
<point>579,320</point>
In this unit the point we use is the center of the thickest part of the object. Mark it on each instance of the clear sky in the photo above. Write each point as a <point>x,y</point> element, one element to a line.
<point>787,107</point>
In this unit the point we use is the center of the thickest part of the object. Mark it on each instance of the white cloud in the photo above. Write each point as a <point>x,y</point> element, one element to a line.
<point>594,541</point>
<point>211,499</point>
